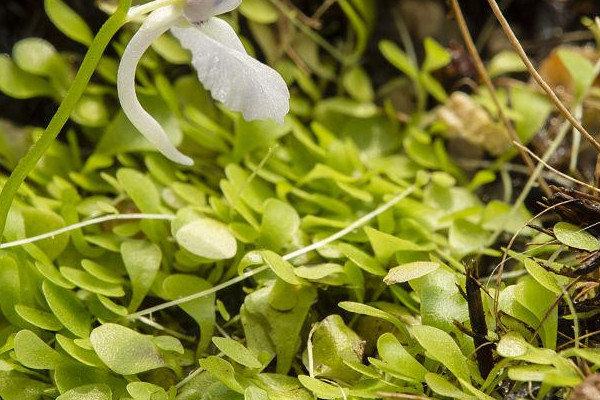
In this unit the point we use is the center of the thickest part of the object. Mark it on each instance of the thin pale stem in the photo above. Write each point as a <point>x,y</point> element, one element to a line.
<point>356,224</point>
<point>483,75</point>
<point>88,66</point>
<point>545,164</point>
<point>537,77</point>
<point>83,224</point>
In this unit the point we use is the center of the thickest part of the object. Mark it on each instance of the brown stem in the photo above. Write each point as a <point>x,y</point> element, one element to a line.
<point>483,352</point>
<point>483,75</point>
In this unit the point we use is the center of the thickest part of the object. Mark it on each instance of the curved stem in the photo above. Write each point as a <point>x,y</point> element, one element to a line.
<point>88,66</point>
<point>157,23</point>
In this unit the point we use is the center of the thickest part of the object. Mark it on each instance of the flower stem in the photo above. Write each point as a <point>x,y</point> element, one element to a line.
<point>88,66</point>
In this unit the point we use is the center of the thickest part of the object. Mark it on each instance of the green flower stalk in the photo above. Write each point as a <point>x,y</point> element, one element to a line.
<point>88,66</point>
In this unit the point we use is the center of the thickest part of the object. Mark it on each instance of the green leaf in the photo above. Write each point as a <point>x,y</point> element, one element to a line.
<point>281,387</point>
<point>39,57</point>
<point>330,274</point>
<point>544,277</point>
<point>441,386</point>
<point>533,108</point>
<point>395,355</point>
<point>436,56</point>
<point>364,309</point>
<point>205,386</point>
<point>146,391</point>
<point>40,221</point>
<point>334,344</point>
<point>251,135</point>
<point>141,189</point>
<point>33,352</point>
<point>280,223</point>
<point>399,59</point>
<point>237,352</point>
<point>68,21</point>
<point>83,355</point>
<point>142,261</point>
<point>15,82</point>
<point>592,355</point>
<point>434,87</point>
<point>207,238</point>
<point>362,259</point>
<point>466,237</point>
<point>358,85</point>
<point>538,300</point>
<point>512,345</point>
<point>170,49</point>
<point>576,237</point>
<point>505,62</point>
<point>73,375</point>
<point>385,245</point>
<point>276,331</point>
<point>96,391</point>
<point>121,136</point>
<point>441,302</point>
<point>282,268</point>
<point>260,11</point>
<point>321,389</point>
<point>223,371</point>
<point>441,347</point>
<point>88,282</point>
<point>202,310</point>
<point>68,309</point>
<point>581,69</point>
<point>410,271</point>
<point>39,318</point>
<point>126,351</point>
<point>254,393</point>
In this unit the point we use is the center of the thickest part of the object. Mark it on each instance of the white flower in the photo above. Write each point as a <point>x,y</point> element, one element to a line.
<point>232,76</point>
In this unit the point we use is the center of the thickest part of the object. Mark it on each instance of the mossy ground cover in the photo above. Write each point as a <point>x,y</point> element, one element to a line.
<point>373,246</point>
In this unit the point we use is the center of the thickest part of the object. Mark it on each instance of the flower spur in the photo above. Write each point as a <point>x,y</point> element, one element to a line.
<point>224,68</point>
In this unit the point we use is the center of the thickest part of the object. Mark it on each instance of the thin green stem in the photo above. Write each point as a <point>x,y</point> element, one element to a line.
<point>88,66</point>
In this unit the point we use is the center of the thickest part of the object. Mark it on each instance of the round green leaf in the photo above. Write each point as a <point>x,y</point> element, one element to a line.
<point>35,55</point>
<point>33,352</point>
<point>544,277</point>
<point>207,238</point>
<point>68,21</point>
<point>39,318</point>
<point>67,308</point>
<point>512,345</point>
<point>321,389</point>
<point>442,348</point>
<point>96,391</point>
<point>261,11</point>
<point>576,237</point>
<point>88,282</point>
<point>357,83</point>
<point>19,84</point>
<point>410,271</point>
<point>142,261</point>
<point>393,353</point>
<point>125,351</point>
<point>146,391</point>
<point>237,352</point>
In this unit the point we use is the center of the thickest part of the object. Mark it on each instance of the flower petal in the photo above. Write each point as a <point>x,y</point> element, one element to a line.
<point>157,23</point>
<point>232,76</point>
<point>201,10</point>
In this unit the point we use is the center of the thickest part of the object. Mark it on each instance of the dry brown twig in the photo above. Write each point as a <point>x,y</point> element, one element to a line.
<point>537,77</point>
<point>483,75</point>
